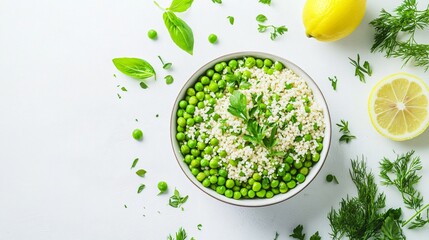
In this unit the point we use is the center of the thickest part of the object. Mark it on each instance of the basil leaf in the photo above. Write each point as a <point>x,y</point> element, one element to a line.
<point>180,32</point>
<point>180,5</point>
<point>261,18</point>
<point>140,189</point>
<point>141,172</point>
<point>143,85</point>
<point>231,20</point>
<point>134,163</point>
<point>134,67</point>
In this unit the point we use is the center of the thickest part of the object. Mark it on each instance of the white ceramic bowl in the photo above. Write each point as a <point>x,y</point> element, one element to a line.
<point>253,202</point>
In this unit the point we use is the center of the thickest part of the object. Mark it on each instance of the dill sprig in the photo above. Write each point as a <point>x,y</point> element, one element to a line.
<point>394,34</point>
<point>402,173</point>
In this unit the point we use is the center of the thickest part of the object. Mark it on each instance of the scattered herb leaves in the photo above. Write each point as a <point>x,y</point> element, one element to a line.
<point>333,81</point>
<point>344,128</point>
<point>176,200</point>
<point>166,66</point>
<point>141,187</point>
<point>199,226</point>
<point>297,233</point>
<point>169,79</point>
<point>332,178</point>
<point>134,163</point>
<point>231,20</point>
<point>141,172</point>
<point>180,5</point>
<point>360,71</point>
<point>394,34</point>
<point>276,31</point>
<point>134,67</point>
<point>261,18</point>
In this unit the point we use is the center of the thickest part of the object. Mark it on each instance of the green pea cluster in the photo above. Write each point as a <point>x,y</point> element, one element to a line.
<point>212,173</point>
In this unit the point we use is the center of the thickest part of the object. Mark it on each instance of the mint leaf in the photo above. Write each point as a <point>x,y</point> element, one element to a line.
<point>180,5</point>
<point>180,32</point>
<point>134,67</point>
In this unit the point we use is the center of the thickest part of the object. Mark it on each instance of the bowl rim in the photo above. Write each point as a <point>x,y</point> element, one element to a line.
<point>193,78</point>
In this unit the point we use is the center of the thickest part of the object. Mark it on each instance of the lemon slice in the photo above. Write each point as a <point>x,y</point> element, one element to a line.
<point>399,106</point>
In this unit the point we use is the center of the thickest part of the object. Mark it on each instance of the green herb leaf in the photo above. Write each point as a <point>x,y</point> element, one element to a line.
<point>169,79</point>
<point>333,81</point>
<point>344,128</point>
<point>180,235</point>
<point>297,233</point>
<point>276,236</point>
<point>238,105</point>
<point>134,67</point>
<point>268,2</point>
<point>141,187</point>
<point>180,32</point>
<point>231,20</point>
<point>217,1</point>
<point>180,5</point>
<point>176,200</point>
<point>330,178</point>
<point>276,31</point>
<point>143,85</point>
<point>199,226</point>
<point>134,163</point>
<point>359,70</point>
<point>166,66</point>
<point>261,18</point>
<point>315,236</point>
<point>141,172</point>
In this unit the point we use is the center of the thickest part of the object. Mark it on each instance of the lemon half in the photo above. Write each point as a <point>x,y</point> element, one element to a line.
<point>399,106</point>
<point>331,20</point>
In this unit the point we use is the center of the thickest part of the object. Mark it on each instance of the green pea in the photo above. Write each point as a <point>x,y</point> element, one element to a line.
<point>221,181</point>
<point>213,172</point>
<point>270,71</point>
<point>212,38</point>
<point>286,167</point>
<point>275,191</point>
<point>251,194</point>
<point>319,139</point>
<point>190,122</point>
<point>213,179</point>
<point>213,87</point>
<point>233,64</point>
<point>200,96</point>
<point>265,172</point>
<point>265,183</point>
<point>214,142</point>
<point>304,171</point>
<point>193,100</point>
<point>261,193</point>
<point>201,145</point>
<point>287,177</point>
<point>229,183</point>
<point>220,189</point>
<point>221,84</point>
<point>180,112</point>
<point>251,181</point>
<point>256,186</point>
<point>137,134</point>
<point>308,164</point>
<point>275,183</point>
<point>282,185</point>
<point>316,157</point>
<point>152,34</point>
<point>198,119</point>
<point>291,184</point>
<point>209,73</point>
<point>218,67</point>
<point>216,77</point>
<point>190,109</point>
<point>229,193</point>
<point>281,172</point>
<point>204,162</point>
<point>268,63</point>
<point>180,136</point>
<point>319,147</point>
<point>190,92</point>
<point>300,178</point>
<point>259,63</point>
<point>222,153</point>
<point>243,192</point>
<point>162,187</point>
<point>223,172</point>
<point>289,107</point>
<point>247,74</point>
<point>195,171</point>
<point>208,150</point>
<point>201,176</point>
<point>180,129</point>
<point>297,165</point>
<point>206,182</point>
<point>237,195</point>
<point>214,163</point>
<point>205,80</point>
<point>278,66</point>
<point>188,159</point>
<point>269,194</point>
<point>192,143</point>
<point>307,109</point>
<point>198,86</point>
<point>256,177</point>
<point>293,171</point>
<point>249,62</point>
<point>183,104</point>
<point>212,101</point>
<point>195,163</point>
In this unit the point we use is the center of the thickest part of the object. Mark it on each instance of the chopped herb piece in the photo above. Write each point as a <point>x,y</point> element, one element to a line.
<point>141,187</point>
<point>231,20</point>
<point>114,75</point>
<point>169,79</point>
<point>268,2</point>
<point>180,235</point>
<point>344,128</point>
<point>276,31</point>
<point>157,115</point>
<point>119,96</point>
<point>143,85</point>
<point>199,226</point>
<point>330,178</point>
<point>165,65</point>
<point>359,70</point>
<point>125,206</point>
<point>176,200</point>
<point>141,172</point>
<point>333,81</point>
<point>123,89</point>
<point>217,1</point>
<point>134,163</point>
<point>315,236</point>
<point>297,233</point>
<point>261,18</point>
<point>276,236</point>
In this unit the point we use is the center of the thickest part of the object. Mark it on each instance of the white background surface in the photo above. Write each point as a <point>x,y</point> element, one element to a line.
<point>65,137</point>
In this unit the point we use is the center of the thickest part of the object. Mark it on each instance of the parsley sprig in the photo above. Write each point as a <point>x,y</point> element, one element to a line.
<point>360,71</point>
<point>176,200</point>
<point>403,174</point>
<point>275,31</point>
<point>333,81</point>
<point>180,235</point>
<point>394,34</point>
<point>298,234</point>
<point>344,128</point>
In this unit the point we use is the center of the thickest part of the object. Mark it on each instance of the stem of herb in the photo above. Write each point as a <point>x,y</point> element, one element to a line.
<point>415,215</point>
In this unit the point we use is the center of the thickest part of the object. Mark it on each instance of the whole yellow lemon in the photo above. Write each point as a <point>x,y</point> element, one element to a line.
<point>331,20</point>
